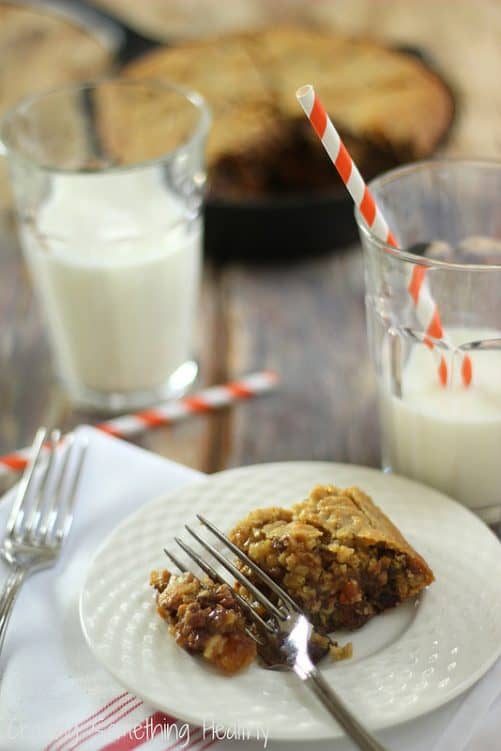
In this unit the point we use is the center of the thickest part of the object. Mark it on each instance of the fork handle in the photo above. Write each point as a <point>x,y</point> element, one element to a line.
<point>7,599</point>
<point>338,709</point>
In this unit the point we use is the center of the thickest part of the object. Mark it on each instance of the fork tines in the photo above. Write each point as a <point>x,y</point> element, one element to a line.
<point>262,575</point>
<point>274,611</point>
<point>42,511</point>
<point>216,577</point>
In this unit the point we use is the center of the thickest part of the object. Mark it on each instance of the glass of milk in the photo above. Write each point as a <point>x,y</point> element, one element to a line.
<point>447,214</point>
<point>108,181</point>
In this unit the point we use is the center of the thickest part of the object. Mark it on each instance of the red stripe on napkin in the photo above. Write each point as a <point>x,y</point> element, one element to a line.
<point>139,734</point>
<point>71,731</point>
<point>105,727</point>
<point>195,739</point>
<point>77,734</point>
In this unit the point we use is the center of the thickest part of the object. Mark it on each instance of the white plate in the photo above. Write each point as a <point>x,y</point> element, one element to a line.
<point>406,662</point>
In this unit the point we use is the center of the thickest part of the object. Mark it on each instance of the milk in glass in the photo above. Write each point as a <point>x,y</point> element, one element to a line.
<point>116,260</point>
<point>448,438</point>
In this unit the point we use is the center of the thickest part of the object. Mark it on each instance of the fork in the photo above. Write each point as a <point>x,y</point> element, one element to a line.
<point>41,515</point>
<point>283,634</point>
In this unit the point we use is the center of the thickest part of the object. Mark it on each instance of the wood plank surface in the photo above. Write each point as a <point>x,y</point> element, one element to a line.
<point>307,322</point>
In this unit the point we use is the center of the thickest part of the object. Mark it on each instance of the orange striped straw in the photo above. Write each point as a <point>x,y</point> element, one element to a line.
<point>203,402</point>
<point>426,309</point>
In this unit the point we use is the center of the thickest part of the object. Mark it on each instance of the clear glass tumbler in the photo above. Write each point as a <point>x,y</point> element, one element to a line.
<point>447,215</point>
<point>108,180</point>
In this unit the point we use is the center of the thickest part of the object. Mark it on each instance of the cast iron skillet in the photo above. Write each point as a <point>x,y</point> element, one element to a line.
<point>281,228</point>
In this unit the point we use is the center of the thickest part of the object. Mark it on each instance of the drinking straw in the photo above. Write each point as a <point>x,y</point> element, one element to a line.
<point>427,311</point>
<point>201,402</point>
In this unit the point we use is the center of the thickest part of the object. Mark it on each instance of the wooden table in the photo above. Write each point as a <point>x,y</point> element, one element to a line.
<point>304,320</point>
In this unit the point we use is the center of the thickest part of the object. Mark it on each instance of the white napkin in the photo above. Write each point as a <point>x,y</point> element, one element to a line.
<point>54,696</point>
